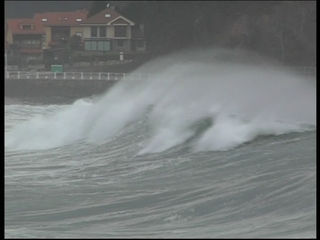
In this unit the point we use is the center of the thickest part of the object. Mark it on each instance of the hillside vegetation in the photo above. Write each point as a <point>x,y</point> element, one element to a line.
<point>283,30</point>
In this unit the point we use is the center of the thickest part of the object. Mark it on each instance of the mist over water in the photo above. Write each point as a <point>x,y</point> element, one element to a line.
<point>243,94</point>
<point>217,144</point>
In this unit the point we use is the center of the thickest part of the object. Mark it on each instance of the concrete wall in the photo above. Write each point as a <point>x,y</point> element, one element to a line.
<point>87,32</point>
<point>126,47</point>
<point>48,37</point>
<point>9,36</point>
<point>29,88</point>
<point>110,31</point>
<point>74,30</point>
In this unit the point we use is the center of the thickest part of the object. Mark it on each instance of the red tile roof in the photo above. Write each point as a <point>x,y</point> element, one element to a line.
<point>100,17</point>
<point>14,25</point>
<point>61,18</point>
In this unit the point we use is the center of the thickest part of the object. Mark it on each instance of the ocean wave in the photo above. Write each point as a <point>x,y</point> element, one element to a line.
<point>241,101</point>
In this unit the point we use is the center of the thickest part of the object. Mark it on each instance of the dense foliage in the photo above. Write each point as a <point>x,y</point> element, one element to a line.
<point>285,30</point>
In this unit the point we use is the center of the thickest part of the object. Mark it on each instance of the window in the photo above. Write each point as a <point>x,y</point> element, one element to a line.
<point>100,46</point>
<point>106,46</point>
<point>94,46</point>
<point>90,45</point>
<point>44,20</point>
<point>120,43</point>
<point>120,31</point>
<point>107,15</point>
<point>87,46</point>
<point>79,20</point>
<point>97,45</point>
<point>102,31</point>
<point>94,32</point>
<point>31,41</point>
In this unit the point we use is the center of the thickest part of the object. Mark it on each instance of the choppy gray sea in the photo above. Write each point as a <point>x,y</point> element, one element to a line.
<point>217,154</point>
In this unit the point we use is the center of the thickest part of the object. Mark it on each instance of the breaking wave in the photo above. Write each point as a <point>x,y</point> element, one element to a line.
<point>212,101</point>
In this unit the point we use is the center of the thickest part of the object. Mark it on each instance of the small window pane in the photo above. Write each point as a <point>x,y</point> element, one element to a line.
<point>94,31</point>
<point>100,46</point>
<point>94,46</point>
<point>106,46</point>
<point>87,46</point>
<point>120,31</point>
<point>103,32</point>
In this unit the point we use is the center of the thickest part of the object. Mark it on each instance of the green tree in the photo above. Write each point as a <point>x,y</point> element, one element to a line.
<point>284,30</point>
<point>74,42</point>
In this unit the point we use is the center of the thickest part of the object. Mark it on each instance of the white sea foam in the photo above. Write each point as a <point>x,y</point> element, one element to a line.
<point>243,100</point>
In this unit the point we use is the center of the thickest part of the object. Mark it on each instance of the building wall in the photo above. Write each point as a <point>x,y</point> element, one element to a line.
<point>48,37</point>
<point>110,31</point>
<point>87,32</point>
<point>136,47</point>
<point>110,35</point>
<point>74,30</point>
<point>9,36</point>
<point>125,48</point>
<point>32,56</point>
<point>142,49</point>
<point>129,31</point>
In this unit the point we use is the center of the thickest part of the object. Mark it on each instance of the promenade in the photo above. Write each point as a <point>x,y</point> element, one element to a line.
<point>83,84</point>
<point>305,71</point>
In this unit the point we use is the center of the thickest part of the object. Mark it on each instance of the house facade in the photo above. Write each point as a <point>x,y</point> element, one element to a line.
<point>24,37</point>
<point>108,31</point>
<point>48,35</point>
<point>60,26</point>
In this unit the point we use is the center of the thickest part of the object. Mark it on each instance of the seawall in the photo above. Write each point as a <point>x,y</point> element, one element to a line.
<point>29,88</point>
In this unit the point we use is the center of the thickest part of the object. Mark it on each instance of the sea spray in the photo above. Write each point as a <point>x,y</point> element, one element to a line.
<point>234,89</point>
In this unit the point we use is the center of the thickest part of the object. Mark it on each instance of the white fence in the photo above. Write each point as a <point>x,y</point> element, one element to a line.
<point>303,71</point>
<point>75,75</point>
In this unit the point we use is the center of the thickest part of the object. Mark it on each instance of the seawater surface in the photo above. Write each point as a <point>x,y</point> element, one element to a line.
<point>206,148</point>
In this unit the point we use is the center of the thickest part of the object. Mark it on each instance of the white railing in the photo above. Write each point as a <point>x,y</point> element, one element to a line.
<point>303,71</point>
<point>75,75</point>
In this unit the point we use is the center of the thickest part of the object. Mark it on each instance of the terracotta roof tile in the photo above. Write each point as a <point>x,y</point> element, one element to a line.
<point>61,18</point>
<point>100,18</point>
<point>14,26</point>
